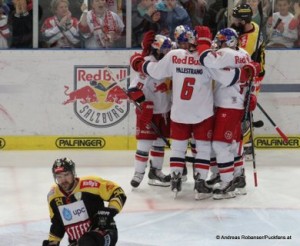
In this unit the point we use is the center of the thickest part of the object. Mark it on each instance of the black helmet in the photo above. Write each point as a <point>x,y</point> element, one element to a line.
<point>243,11</point>
<point>63,165</point>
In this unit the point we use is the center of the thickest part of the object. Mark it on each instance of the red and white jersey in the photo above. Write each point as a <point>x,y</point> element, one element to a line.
<point>60,37</point>
<point>192,96</point>
<point>157,91</point>
<point>101,31</point>
<point>232,96</point>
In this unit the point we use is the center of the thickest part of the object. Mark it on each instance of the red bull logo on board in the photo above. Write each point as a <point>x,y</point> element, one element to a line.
<point>99,94</point>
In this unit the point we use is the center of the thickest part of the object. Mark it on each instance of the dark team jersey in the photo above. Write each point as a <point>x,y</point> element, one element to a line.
<point>72,213</point>
<point>248,42</point>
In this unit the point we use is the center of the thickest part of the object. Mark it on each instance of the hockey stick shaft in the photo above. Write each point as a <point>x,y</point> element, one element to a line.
<point>154,127</point>
<point>253,151</point>
<point>248,114</point>
<point>282,135</point>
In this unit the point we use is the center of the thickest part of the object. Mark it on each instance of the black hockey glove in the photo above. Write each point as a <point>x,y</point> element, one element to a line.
<point>48,243</point>
<point>104,219</point>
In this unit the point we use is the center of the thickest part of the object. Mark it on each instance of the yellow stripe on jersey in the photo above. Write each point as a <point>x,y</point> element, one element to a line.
<point>248,40</point>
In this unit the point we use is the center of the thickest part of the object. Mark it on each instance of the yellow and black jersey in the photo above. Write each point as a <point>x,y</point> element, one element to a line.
<point>248,41</point>
<point>72,213</point>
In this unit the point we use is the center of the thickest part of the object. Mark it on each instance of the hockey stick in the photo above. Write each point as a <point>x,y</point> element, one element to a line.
<point>154,127</point>
<point>282,135</point>
<point>248,114</point>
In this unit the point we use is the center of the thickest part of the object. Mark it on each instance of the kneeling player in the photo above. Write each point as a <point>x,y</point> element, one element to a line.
<point>76,207</point>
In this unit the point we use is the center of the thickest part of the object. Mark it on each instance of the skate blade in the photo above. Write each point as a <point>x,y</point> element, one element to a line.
<point>240,191</point>
<point>175,193</point>
<point>228,195</point>
<point>202,196</point>
<point>155,182</point>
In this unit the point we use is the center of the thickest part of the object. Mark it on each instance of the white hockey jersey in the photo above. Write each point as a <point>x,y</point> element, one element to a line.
<point>192,96</point>
<point>157,91</point>
<point>227,96</point>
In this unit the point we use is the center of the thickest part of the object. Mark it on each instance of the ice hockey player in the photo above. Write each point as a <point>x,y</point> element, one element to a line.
<point>249,33</point>
<point>154,98</point>
<point>229,109</point>
<point>76,207</point>
<point>192,105</point>
<point>183,35</point>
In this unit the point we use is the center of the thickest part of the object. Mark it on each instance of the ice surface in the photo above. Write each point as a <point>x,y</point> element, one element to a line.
<point>151,216</point>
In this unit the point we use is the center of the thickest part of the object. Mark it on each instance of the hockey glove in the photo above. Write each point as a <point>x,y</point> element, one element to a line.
<point>253,69</point>
<point>146,112</point>
<point>147,41</point>
<point>104,219</point>
<point>253,102</point>
<point>203,36</point>
<point>136,62</point>
<point>48,243</point>
<point>136,95</point>
<point>247,72</point>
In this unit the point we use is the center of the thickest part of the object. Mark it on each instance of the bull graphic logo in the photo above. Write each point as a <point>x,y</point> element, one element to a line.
<point>85,94</point>
<point>99,96</point>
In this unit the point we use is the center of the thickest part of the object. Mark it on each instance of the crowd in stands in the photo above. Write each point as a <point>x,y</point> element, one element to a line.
<point>94,24</point>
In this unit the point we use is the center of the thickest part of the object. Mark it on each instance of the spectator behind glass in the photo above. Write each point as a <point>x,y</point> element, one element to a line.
<point>256,16</point>
<point>116,6</point>
<point>198,11</point>
<point>172,15</point>
<point>100,27</point>
<point>281,36</point>
<point>145,17</point>
<point>295,23</point>
<point>4,7</point>
<point>20,20</point>
<point>60,30</point>
<point>4,30</point>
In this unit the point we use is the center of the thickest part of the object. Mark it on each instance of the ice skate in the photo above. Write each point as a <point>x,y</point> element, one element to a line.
<point>202,191</point>
<point>137,179</point>
<point>184,174</point>
<point>176,183</point>
<point>215,178</point>
<point>225,190</point>
<point>240,184</point>
<point>157,178</point>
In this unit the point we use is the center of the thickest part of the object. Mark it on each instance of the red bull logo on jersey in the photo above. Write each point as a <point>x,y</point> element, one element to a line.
<point>241,60</point>
<point>190,60</point>
<point>99,94</point>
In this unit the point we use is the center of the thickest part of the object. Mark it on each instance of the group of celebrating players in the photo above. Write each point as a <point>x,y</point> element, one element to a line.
<point>195,89</point>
